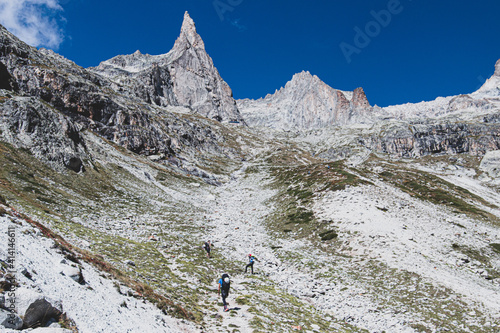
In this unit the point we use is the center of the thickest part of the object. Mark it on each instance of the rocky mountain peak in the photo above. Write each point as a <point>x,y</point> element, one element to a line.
<point>189,37</point>
<point>491,88</point>
<point>304,78</point>
<point>304,75</point>
<point>306,102</point>
<point>185,76</point>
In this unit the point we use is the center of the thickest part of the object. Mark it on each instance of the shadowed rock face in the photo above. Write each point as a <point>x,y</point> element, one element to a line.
<point>26,122</point>
<point>186,76</point>
<point>64,95</point>
<point>360,103</point>
<point>6,80</point>
<point>415,140</point>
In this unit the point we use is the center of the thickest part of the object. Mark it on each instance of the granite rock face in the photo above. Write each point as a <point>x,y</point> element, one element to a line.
<point>26,122</point>
<point>305,102</point>
<point>48,101</point>
<point>185,76</point>
<point>467,123</point>
<point>412,140</point>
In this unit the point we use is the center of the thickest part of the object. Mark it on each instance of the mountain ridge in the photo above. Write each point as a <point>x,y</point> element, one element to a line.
<point>306,102</point>
<point>275,112</point>
<point>185,76</point>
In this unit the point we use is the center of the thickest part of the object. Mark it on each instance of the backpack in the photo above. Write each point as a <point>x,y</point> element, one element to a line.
<point>223,284</point>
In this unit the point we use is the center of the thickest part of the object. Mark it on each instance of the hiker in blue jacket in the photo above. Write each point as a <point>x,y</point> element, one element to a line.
<point>224,284</point>
<point>251,260</point>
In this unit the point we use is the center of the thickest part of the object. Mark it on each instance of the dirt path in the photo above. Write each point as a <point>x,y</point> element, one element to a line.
<point>238,215</point>
<point>238,210</point>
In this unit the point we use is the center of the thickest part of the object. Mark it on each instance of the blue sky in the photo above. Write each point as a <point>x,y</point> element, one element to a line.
<point>398,50</point>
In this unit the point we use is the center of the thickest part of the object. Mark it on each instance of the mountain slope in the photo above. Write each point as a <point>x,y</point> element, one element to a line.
<point>375,225</point>
<point>185,76</point>
<point>79,100</point>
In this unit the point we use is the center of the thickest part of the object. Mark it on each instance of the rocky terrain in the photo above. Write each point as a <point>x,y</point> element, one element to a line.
<point>364,219</point>
<point>185,76</point>
<point>306,102</point>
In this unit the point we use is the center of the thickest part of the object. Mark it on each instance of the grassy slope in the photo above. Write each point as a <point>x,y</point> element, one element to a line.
<point>432,306</point>
<point>118,211</point>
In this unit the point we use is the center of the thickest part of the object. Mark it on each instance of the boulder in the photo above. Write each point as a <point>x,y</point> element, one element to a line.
<point>490,164</point>
<point>10,320</point>
<point>40,312</point>
<point>74,273</point>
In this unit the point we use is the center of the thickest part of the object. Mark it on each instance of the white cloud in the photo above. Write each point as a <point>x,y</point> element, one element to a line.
<point>36,22</point>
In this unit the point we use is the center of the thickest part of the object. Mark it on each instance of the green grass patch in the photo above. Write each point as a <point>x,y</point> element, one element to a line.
<point>495,247</point>
<point>243,300</point>
<point>428,187</point>
<point>328,235</point>
<point>297,186</point>
<point>301,216</point>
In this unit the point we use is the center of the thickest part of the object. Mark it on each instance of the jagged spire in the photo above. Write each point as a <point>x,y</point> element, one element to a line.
<point>189,34</point>
<point>187,23</point>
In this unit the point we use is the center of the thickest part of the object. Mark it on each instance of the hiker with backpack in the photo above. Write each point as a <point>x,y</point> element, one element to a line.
<point>251,260</point>
<point>224,284</point>
<point>207,246</point>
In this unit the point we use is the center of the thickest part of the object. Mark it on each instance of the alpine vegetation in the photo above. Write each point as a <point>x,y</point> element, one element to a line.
<point>140,196</point>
